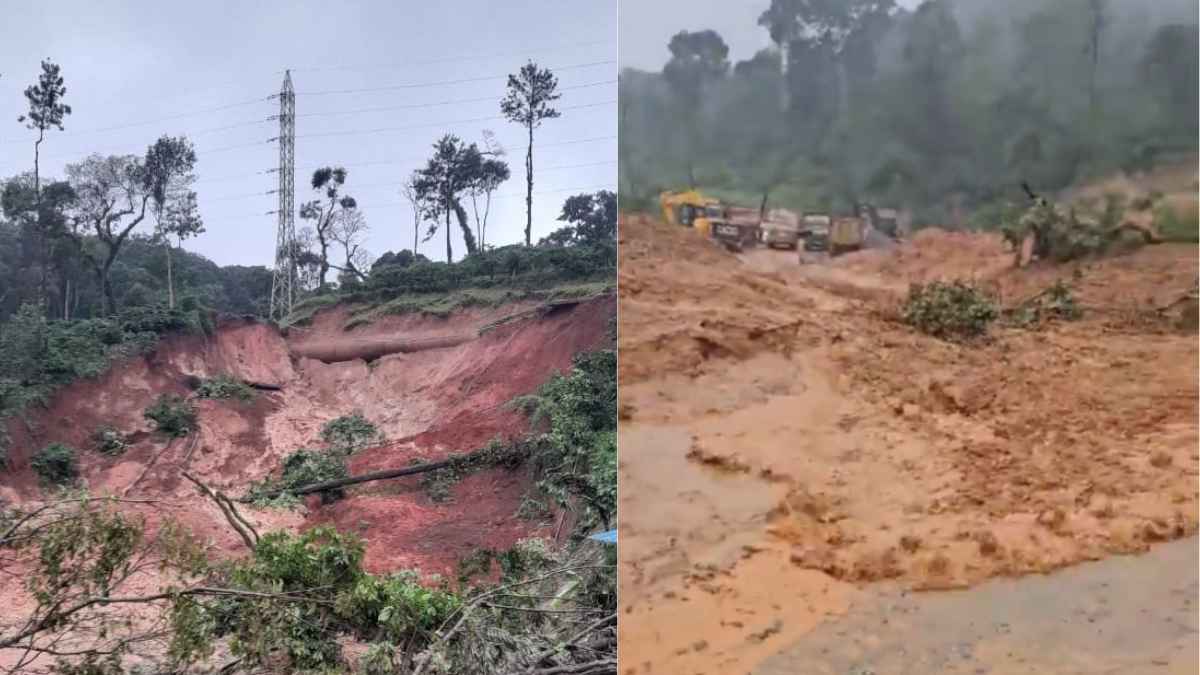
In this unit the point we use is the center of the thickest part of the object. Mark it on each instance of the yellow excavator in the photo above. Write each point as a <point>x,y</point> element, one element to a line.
<point>707,215</point>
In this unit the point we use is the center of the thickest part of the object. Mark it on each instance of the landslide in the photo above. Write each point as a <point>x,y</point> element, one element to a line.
<point>449,394</point>
<point>782,423</point>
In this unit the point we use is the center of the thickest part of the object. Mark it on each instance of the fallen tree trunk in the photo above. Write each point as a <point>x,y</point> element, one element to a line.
<point>365,478</point>
<point>368,349</point>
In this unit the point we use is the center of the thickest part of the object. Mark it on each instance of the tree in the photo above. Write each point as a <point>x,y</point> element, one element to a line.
<point>110,190</point>
<point>46,111</point>
<point>1170,67</point>
<point>410,193</point>
<point>349,230</point>
<point>697,60</point>
<point>180,220</point>
<point>591,218</point>
<point>453,169</point>
<point>168,173</point>
<point>329,180</point>
<point>531,93</point>
<point>493,171</point>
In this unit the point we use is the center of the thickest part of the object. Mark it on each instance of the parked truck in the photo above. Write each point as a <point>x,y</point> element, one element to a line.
<point>846,234</point>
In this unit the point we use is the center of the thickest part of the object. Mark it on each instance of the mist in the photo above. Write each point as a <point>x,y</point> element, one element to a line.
<point>942,108</point>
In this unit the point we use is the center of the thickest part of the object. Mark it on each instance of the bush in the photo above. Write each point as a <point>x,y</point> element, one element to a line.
<point>173,415</point>
<point>949,310</point>
<point>223,387</point>
<point>350,433</point>
<point>108,440</point>
<point>302,468</point>
<point>56,464</point>
<point>1056,302</point>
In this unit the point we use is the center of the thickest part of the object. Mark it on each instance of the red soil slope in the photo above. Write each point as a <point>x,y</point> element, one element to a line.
<point>428,404</point>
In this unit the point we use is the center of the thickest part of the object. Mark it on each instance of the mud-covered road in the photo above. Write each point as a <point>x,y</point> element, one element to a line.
<point>789,450</point>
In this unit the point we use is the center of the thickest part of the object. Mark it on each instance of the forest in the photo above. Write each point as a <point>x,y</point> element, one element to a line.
<point>942,110</point>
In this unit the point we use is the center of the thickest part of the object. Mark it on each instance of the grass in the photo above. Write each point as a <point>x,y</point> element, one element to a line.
<point>1175,226</point>
<point>443,305</point>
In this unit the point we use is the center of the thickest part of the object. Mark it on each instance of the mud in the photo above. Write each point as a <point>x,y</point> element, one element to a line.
<point>1126,615</point>
<point>816,444</point>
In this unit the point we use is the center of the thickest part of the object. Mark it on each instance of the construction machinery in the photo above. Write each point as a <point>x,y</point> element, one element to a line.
<point>708,216</point>
<point>884,221</point>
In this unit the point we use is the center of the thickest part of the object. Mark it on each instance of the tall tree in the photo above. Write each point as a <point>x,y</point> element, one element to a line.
<point>409,191</point>
<point>169,166</point>
<point>46,111</point>
<point>329,180</point>
<point>697,60</point>
<point>452,169</point>
<point>349,231</point>
<point>529,101</point>
<point>181,220</point>
<point>493,171</point>
<point>112,201</point>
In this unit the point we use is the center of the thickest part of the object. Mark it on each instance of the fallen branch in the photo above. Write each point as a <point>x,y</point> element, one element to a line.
<point>457,460</point>
<point>601,667</point>
<point>611,619</point>
<point>236,521</point>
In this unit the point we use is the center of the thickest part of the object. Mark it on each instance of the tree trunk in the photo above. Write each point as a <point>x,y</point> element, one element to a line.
<point>449,251</point>
<point>43,240</point>
<point>416,232</point>
<point>364,478</point>
<point>170,279</point>
<point>529,187</point>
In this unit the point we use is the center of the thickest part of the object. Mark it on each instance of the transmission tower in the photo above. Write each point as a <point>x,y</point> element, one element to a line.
<point>283,282</point>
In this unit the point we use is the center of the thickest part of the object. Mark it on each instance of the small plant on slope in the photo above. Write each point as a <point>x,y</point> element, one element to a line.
<point>109,441</point>
<point>949,310</point>
<point>350,433</point>
<point>223,387</point>
<point>56,464</point>
<point>172,415</point>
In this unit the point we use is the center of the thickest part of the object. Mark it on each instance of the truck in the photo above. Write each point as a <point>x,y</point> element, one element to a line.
<point>707,216</point>
<point>883,220</point>
<point>781,229</point>
<point>846,234</point>
<point>814,230</point>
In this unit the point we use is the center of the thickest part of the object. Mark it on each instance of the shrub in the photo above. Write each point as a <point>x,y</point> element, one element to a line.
<point>350,433</point>
<point>173,415</point>
<point>108,440</point>
<point>949,310</point>
<point>1056,302</point>
<point>302,468</point>
<point>225,386</point>
<point>56,464</point>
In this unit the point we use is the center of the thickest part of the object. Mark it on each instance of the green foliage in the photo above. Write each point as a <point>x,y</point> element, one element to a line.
<point>379,659</point>
<point>350,433</point>
<point>331,597</point>
<point>949,310</point>
<point>56,464</point>
<point>108,440</point>
<point>172,415</point>
<point>1056,302</point>
<point>306,467</point>
<point>576,458</point>
<point>224,387</point>
<point>1175,226</point>
<point>933,106</point>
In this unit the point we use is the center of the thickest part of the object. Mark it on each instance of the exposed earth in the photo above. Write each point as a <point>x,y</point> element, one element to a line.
<point>790,450</point>
<point>449,393</point>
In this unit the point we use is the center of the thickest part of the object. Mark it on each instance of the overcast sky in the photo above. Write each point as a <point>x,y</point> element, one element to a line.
<point>647,27</point>
<point>205,69</point>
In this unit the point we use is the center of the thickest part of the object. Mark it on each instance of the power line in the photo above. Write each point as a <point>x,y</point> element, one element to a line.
<point>420,85</point>
<point>437,124</point>
<point>203,111</point>
<point>408,106</point>
<point>358,165</point>
<point>479,57</point>
<point>358,189</point>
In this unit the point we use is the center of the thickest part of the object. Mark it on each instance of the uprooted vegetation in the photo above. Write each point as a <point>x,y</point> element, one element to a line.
<point>172,415</point>
<point>304,602</point>
<point>56,465</point>
<point>224,387</point>
<point>949,310</point>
